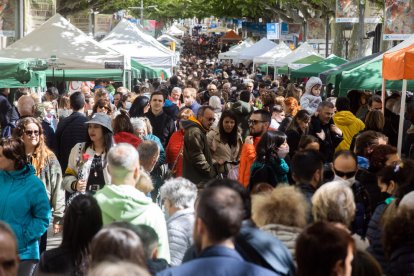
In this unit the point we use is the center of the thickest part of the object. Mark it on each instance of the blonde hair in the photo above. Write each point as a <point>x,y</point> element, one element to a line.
<point>144,183</point>
<point>285,205</point>
<point>334,202</point>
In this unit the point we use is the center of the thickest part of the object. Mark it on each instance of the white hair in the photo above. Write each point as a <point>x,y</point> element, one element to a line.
<point>180,192</point>
<point>178,89</point>
<point>334,202</point>
<point>138,123</point>
<point>122,158</point>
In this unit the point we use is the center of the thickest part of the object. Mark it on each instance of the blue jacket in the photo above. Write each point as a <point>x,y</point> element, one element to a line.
<point>217,260</point>
<point>24,205</point>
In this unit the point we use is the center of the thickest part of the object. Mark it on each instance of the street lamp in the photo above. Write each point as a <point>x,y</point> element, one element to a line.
<point>141,8</point>
<point>346,33</point>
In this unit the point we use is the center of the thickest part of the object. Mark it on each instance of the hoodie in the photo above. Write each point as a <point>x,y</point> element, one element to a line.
<point>24,205</point>
<point>126,203</point>
<point>349,125</point>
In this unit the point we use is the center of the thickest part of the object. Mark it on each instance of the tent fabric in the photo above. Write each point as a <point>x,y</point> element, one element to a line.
<point>314,69</point>
<point>279,51</point>
<point>84,75</point>
<point>302,51</point>
<point>299,64</point>
<point>399,65</point>
<point>129,39</point>
<point>231,36</point>
<point>234,51</point>
<point>147,72</point>
<point>37,79</point>
<point>257,49</point>
<point>72,48</point>
<point>167,37</point>
<point>175,31</point>
<point>369,74</point>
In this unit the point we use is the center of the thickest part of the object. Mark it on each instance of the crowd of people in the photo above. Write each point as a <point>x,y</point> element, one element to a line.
<point>219,170</point>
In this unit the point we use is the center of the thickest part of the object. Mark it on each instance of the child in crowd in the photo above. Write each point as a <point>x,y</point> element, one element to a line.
<point>312,97</point>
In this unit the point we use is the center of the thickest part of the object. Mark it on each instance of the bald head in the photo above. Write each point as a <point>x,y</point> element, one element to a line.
<point>86,90</point>
<point>25,106</point>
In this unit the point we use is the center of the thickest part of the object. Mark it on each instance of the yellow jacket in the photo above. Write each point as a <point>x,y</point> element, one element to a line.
<point>350,125</point>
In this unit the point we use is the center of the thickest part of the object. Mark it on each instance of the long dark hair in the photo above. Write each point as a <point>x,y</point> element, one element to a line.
<point>137,107</point>
<point>229,138</point>
<point>268,145</point>
<point>303,116</point>
<point>108,141</point>
<point>82,220</point>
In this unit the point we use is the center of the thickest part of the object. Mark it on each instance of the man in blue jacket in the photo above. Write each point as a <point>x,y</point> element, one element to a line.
<point>219,216</point>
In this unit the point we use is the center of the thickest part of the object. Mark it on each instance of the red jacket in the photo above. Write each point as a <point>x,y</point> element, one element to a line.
<point>174,150</point>
<point>126,137</point>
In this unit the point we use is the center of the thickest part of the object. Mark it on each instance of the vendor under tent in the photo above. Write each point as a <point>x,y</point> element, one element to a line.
<point>334,75</point>
<point>257,49</point>
<point>61,43</point>
<point>234,51</point>
<point>399,65</point>
<point>300,63</point>
<point>314,69</point>
<point>279,51</point>
<point>127,38</point>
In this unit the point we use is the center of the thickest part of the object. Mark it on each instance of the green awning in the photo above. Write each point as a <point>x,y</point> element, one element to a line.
<point>368,76</point>
<point>37,79</point>
<point>148,72</point>
<point>307,60</point>
<point>314,69</point>
<point>334,75</point>
<point>84,74</point>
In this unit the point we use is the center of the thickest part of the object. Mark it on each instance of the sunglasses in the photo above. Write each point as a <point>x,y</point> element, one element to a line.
<point>254,122</point>
<point>104,107</point>
<point>31,132</point>
<point>345,174</point>
<point>211,119</point>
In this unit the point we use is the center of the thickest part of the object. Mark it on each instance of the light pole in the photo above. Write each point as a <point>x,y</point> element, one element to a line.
<point>346,33</point>
<point>142,8</point>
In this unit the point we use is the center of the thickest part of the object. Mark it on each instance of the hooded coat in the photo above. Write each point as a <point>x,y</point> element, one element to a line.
<point>350,125</point>
<point>308,101</point>
<point>24,205</point>
<point>126,203</point>
<point>197,160</point>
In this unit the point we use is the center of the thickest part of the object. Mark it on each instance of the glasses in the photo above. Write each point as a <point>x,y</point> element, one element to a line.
<point>345,174</point>
<point>103,107</point>
<point>31,132</point>
<point>254,122</point>
<point>211,119</point>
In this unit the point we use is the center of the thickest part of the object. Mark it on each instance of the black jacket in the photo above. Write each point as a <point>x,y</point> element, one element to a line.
<point>162,126</point>
<point>70,131</point>
<point>8,116</point>
<point>332,140</point>
<point>374,235</point>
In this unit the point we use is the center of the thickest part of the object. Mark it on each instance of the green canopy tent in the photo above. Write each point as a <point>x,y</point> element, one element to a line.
<point>84,74</point>
<point>299,64</point>
<point>314,69</point>
<point>334,75</point>
<point>16,73</point>
<point>148,72</point>
<point>368,76</point>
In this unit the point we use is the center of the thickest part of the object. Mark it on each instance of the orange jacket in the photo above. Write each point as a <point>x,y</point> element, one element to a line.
<point>247,157</point>
<point>174,152</point>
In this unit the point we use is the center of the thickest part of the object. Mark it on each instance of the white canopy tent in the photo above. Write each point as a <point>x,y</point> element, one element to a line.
<point>174,31</point>
<point>61,43</point>
<point>279,51</point>
<point>128,38</point>
<point>304,50</point>
<point>259,48</point>
<point>234,51</point>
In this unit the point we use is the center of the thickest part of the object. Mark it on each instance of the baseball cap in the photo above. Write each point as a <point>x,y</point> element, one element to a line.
<point>101,119</point>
